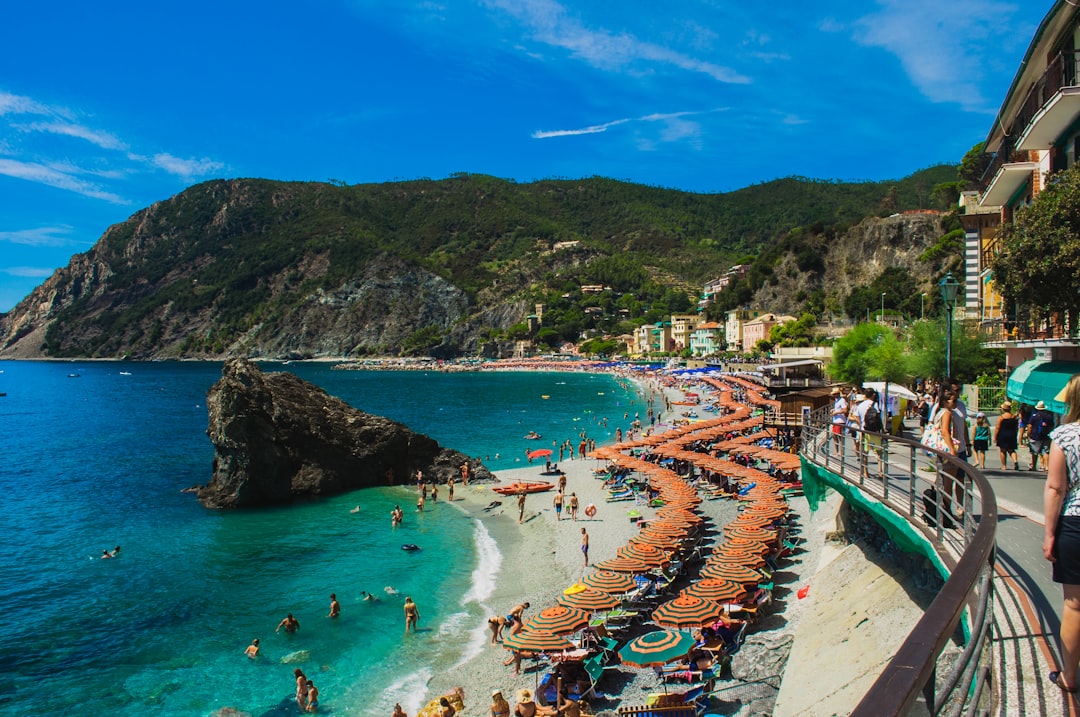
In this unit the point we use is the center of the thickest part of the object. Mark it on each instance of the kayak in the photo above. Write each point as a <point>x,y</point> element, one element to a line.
<point>527,486</point>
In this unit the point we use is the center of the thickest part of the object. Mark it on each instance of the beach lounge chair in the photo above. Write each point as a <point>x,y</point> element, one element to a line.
<point>646,711</point>
<point>600,637</point>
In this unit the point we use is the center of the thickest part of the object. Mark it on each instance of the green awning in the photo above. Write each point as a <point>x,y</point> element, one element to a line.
<point>1041,380</point>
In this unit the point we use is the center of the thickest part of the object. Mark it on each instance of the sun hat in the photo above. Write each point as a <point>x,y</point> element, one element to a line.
<point>496,693</point>
<point>980,414</point>
<point>835,391</point>
<point>524,697</point>
<point>1040,406</point>
<point>1006,406</point>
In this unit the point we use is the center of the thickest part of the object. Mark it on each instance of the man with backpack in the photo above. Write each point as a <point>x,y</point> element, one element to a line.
<point>1039,425</point>
<point>868,414</point>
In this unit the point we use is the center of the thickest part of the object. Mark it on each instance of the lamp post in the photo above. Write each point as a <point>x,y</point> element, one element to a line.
<point>949,286</point>
<point>881,316</point>
<point>922,306</point>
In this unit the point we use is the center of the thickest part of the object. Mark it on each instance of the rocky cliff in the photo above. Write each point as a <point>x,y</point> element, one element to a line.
<point>278,439</point>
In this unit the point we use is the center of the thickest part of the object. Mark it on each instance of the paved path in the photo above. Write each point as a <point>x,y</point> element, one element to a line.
<point>1027,608</point>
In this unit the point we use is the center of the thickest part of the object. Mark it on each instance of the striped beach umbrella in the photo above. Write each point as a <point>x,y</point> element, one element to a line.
<point>751,520</point>
<point>759,534</point>
<point>686,612</point>
<point>663,527</point>
<point>559,619</point>
<point>769,510</point>
<point>656,648</point>
<point>537,641</point>
<point>664,542</point>
<point>745,545</point>
<point>739,573</point>
<point>592,600</point>
<point>717,589</point>
<point>609,581</point>
<point>734,558</point>
<point>623,565</point>
<point>648,554</point>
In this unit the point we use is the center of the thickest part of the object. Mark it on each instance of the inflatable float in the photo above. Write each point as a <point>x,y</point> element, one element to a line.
<point>410,547</point>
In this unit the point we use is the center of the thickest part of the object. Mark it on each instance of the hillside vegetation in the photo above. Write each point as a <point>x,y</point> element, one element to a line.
<point>261,267</point>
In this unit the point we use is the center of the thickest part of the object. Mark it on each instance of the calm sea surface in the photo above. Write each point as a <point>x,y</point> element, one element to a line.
<point>96,455</point>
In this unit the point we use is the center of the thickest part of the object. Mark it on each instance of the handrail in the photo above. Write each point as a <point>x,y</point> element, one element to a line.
<point>971,551</point>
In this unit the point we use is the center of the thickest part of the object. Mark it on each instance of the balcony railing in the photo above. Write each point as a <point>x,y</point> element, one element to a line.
<point>897,478</point>
<point>1063,71</point>
<point>1002,331</point>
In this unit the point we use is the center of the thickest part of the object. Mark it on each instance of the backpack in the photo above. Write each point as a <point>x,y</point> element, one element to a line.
<point>1041,425</point>
<point>872,419</point>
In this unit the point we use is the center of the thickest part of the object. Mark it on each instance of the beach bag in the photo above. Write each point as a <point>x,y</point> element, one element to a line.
<point>932,438</point>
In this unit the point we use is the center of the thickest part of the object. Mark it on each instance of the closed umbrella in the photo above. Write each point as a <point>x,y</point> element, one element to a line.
<point>686,612</point>
<point>656,648</point>
<point>591,600</point>
<point>559,619</point>
<point>609,581</point>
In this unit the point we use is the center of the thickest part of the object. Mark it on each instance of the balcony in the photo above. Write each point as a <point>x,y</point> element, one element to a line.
<point>1007,173</point>
<point>1051,107</point>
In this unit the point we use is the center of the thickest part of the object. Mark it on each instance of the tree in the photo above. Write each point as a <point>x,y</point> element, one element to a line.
<point>851,362</point>
<point>794,333</point>
<point>887,362</point>
<point>926,351</point>
<point>973,165</point>
<point>1040,250</point>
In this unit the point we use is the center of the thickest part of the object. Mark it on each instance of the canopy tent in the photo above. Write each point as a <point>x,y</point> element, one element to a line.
<point>1041,380</point>
<point>895,389</point>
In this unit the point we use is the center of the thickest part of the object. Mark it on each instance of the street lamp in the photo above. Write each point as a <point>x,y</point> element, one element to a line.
<point>881,316</point>
<point>922,306</point>
<point>949,286</point>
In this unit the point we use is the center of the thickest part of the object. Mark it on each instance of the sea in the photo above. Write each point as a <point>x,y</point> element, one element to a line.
<point>97,454</point>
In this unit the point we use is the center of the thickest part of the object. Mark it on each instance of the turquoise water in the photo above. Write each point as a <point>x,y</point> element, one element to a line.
<point>96,458</point>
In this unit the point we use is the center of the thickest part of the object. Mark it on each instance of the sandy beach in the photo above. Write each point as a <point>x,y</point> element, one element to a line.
<point>542,556</point>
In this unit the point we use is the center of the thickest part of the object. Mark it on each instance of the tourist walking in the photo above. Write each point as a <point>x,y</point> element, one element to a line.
<point>450,489</point>
<point>1006,436</point>
<point>839,417</point>
<point>521,506</point>
<point>573,506</point>
<point>558,503</point>
<point>981,439</point>
<point>1039,426</point>
<point>1061,540</point>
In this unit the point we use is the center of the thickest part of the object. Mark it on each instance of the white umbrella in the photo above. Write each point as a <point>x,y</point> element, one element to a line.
<point>895,389</point>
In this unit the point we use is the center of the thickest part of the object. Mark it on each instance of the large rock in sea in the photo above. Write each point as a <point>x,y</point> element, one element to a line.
<point>278,439</point>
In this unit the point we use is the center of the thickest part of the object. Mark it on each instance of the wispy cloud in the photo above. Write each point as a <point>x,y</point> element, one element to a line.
<point>34,172</point>
<point>28,272</point>
<point>41,236</point>
<point>549,23</point>
<point>67,129</point>
<point>117,164</point>
<point>676,127</point>
<point>186,168</point>
<point>940,45</point>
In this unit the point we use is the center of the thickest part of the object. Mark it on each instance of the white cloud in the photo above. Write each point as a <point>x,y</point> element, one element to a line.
<point>549,23</point>
<point>186,168</point>
<point>28,272</point>
<point>67,129</point>
<point>594,129</point>
<point>41,236</point>
<point>19,105</point>
<point>675,127</point>
<point>941,46</point>
<point>34,172</point>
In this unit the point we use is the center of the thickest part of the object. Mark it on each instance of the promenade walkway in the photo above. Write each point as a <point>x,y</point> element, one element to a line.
<point>1027,603</point>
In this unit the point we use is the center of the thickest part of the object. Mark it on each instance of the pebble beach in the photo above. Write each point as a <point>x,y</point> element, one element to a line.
<point>542,556</point>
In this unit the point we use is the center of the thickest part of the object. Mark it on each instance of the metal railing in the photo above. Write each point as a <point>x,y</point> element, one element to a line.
<point>900,473</point>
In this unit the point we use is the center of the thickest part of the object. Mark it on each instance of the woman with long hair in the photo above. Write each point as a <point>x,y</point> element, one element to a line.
<point>948,422</point>
<point>1061,539</point>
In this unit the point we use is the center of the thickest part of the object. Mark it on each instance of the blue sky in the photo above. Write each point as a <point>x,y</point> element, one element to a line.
<point>106,108</point>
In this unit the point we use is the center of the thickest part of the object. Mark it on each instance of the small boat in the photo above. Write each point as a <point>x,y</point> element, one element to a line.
<point>527,486</point>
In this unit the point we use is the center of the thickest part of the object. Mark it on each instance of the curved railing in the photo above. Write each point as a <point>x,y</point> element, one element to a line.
<point>898,477</point>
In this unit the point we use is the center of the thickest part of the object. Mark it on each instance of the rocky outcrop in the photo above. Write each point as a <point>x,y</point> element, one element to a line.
<point>278,439</point>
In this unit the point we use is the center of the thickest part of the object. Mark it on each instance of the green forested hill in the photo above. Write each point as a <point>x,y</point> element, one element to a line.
<point>261,266</point>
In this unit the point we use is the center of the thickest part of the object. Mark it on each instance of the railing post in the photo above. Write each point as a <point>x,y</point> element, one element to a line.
<point>913,465</point>
<point>930,689</point>
<point>883,459</point>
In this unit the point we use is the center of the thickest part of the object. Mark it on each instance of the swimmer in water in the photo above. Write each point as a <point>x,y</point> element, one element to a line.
<point>367,597</point>
<point>390,590</point>
<point>105,554</point>
<point>290,623</point>
<point>252,650</point>
<point>335,606</point>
